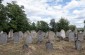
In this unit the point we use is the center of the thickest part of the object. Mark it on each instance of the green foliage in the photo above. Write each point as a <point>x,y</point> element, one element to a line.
<point>33,26</point>
<point>3,18</point>
<point>18,19</point>
<point>72,27</point>
<point>42,25</point>
<point>62,24</point>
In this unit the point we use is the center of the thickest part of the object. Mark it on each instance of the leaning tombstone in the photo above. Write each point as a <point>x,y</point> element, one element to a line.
<point>49,45</point>
<point>3,38</point>
<point>71,36</point>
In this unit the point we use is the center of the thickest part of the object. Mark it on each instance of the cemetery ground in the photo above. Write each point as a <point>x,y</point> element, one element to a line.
<point>60,48</point>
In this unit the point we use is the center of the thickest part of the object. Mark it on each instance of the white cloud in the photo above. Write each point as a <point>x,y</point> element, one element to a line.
<point>35,9</point>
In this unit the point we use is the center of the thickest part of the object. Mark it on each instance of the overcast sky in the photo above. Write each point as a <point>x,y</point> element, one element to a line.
<point>72,10</point>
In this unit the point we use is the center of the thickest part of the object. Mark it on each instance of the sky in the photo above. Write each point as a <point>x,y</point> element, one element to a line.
<point>36,10</point>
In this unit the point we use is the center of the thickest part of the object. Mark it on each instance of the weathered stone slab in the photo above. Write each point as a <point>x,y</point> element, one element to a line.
<point>10,35</point>
<point>80,36</point>
<point>71,36</point>
<point>67,33</point>
<point>33,34</point>
<point>49,45</point>
<point>3,38</point>
<point>51,36</point>
<point>63,34</point>
<point>20,34</point>
<point>16,37</point>
<point>40,36</point>
<point>78,45</point>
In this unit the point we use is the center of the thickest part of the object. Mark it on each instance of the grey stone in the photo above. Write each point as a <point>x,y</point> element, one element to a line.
<point>40,36</point>
<point>10,35</point>
<point>78,45</point>
<point>71,36</point>
<point>33,34</point>
<point>20,34</point>
<point>57,34</point>
<point>63,34</point>
<point>46,35</point>
<point>67,33</point>
<point>29,39</point>
<point>16,37</point>
<point>3,38</point>
<point>49,45</point>
<point>51,36</point>
<point>80,36</point>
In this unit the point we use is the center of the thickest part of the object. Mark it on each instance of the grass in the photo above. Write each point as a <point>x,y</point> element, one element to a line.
<point>60,48</point>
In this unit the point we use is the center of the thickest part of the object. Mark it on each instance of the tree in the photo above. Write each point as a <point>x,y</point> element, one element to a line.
<point>33,26</point>
<point>62,24</point>
<point>1,1</point>
<point>42,25</point>
<point>3,18</point>
<point>17,18</point>
<point>72,27</point>
<point>53,25</point>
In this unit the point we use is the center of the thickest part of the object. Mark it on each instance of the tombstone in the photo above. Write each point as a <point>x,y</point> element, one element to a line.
<point>84,34</point>
<point>49,45</point>
<point>1,32</point>
<point>80,36</point>
<point>51,36</point>
<point>3,38</point>
<point>43,33</point>
<point>67,33</point>
<point>63,34</point>
<point>28,38</point>
<point>71,36</point>
<point>26,34</point>
<point>40,36</point>
<point>33,34</point>
<point>16,37</point>
<point>78,45</point>
<point>58,34</point>
<point>25,46</point>
<point>20,34</point>
<point>10,35</point>
<point>46,35</point>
